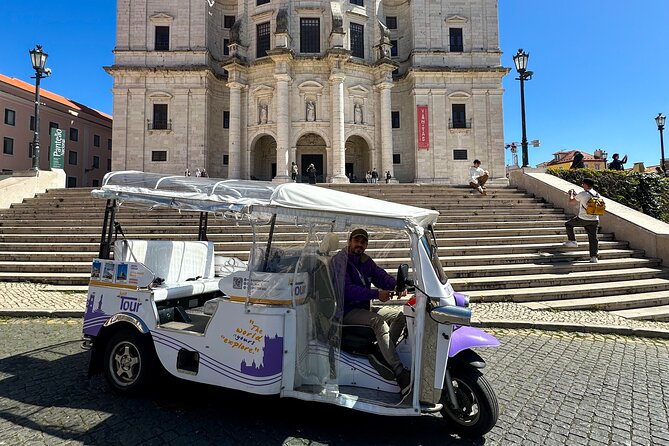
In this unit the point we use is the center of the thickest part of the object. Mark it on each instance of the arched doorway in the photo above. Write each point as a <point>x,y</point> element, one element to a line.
<point>311,150</point>
<point>357,159</point>
<point>263,159</point>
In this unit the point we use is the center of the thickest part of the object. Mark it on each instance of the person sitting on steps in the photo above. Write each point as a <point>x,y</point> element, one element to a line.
<point>478,177</point>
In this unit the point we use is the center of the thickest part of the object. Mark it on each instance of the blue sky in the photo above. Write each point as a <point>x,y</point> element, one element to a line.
<point>601,67</point>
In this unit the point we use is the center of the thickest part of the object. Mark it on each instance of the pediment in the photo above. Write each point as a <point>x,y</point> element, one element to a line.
<point>262,90</point>
<point>161,17</point>
<point>358,90</point>
<point>459,95</point>
<point>310,86</point>
<point>455,19</point>
<point>160,95</point>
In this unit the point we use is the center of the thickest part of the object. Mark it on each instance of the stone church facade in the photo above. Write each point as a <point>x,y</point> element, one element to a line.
<point>243,88</point>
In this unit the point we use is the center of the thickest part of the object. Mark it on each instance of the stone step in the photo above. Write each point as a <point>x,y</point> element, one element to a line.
<point>78,261</point>
<point>223,232</point>
<point>473,255</point>
<point>289,239</point>
<point>605,303</point>
<point>570,291</point>
<point>467,221</point>
<point>548,221</point>
<point>55,278</point>
<point>398,198</point>
<point>445,225</point>
<point>539,258</point>
<point>658,313</point>
<point>514,269</point>
<point>44,256</point>
<point>53,247</point>
<point>546,249</point>
<point>585,278</point>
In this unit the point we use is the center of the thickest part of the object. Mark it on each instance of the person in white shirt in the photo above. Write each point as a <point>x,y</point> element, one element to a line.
<point>478,177</point>
<point>583,219</point>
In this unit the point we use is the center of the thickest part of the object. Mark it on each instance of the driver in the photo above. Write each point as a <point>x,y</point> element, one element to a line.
<point>387,321</point>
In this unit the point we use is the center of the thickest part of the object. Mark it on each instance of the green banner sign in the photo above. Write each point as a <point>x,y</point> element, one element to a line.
<point>57,149</point>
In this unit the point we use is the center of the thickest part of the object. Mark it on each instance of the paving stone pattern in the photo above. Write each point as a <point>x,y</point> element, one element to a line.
<point>554,388</point>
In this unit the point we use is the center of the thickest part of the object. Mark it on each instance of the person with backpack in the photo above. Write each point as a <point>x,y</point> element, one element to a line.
<point>587,217</point>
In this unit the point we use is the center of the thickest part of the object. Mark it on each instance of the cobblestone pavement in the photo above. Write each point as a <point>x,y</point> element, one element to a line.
<point>29,299</point>
<point>554,388</point>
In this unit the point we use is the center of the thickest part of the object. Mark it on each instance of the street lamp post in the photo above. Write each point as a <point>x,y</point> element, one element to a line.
<point>38,59</point>
<point>520,60</point>
<point>659,119</point>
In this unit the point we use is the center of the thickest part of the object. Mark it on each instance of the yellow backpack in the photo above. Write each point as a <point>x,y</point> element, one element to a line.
<point>595,206</point>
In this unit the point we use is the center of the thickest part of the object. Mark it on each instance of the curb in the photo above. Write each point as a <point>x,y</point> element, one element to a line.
<point>481,323</point>
<point>41,313</point>
<point>574,327</point>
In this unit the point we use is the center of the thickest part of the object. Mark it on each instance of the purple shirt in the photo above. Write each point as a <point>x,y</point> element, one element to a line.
<point>361,274</point>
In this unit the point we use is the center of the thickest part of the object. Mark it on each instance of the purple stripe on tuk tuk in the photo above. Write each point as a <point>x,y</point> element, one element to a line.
<point>469,337</point>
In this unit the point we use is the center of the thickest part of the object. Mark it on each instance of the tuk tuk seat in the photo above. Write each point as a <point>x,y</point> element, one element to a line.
<point>186,267</point>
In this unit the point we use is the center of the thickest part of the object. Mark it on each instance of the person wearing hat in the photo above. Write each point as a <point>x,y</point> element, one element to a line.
<point>387,321</point>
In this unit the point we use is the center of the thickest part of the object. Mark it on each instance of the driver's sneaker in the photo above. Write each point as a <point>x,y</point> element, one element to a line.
<point>594,260</point>
<point>570,244</point>
<point>404,381</point>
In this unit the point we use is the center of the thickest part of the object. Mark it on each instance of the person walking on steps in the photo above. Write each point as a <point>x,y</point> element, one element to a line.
<point>478,177</point>
<point>583,219</point>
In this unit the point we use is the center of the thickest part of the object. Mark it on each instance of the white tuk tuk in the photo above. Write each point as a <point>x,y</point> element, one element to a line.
<point>268,320</point>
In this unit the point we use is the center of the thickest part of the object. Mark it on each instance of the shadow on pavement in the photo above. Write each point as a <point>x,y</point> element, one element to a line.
<point>47,390</point>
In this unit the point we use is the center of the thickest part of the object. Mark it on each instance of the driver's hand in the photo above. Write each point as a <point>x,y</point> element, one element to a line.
<point>402,293</point>
<point>385,295</point>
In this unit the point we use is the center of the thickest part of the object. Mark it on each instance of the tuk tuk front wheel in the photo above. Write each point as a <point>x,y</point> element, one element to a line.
<point>477,408</point>
<point>128,360</point>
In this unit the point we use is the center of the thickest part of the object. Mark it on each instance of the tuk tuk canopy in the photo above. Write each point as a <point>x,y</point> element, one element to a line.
<point>288,201</point>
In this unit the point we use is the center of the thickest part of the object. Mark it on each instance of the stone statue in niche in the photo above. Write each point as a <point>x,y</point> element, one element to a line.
<point>235,32</point>
<point>282,21</point>
<point>263,114</point>
<point>357,114</point>
<point>311,111</point>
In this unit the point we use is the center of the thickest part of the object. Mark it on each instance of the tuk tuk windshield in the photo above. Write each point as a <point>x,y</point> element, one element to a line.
<point>430,243</point>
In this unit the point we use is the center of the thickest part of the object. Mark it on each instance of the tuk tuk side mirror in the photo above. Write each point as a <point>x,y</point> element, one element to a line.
<point>403,278</point>
<point>451,315</point>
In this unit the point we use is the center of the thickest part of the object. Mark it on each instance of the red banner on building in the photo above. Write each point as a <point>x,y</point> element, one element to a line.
<point>423,127</point>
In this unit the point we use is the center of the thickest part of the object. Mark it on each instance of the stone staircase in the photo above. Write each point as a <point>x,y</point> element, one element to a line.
<point>505,246</point>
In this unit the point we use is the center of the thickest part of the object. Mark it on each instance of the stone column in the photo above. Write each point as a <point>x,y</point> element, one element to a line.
<point>234,132</point>
<point>386,130</point>
<point>338,142</point>
<point>283,126</point>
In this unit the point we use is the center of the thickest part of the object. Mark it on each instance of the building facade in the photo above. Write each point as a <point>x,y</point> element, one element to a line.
<point>88,133</point>
<point>243,88</point>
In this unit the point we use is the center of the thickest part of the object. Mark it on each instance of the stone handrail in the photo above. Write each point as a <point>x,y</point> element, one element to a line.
<point>26,184</point>
<point>640,230</point>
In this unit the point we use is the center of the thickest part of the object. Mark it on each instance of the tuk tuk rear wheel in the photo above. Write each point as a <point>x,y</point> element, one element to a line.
<point>128,361</point>
<point>477,410</point>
